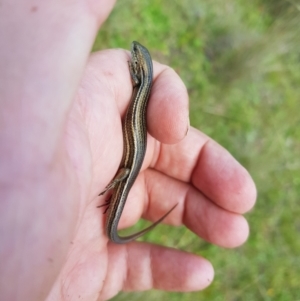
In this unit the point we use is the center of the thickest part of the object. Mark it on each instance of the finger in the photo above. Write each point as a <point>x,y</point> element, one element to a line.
<point>209,167</point>
<point>223,179</point>
<point>168,110</point>
<point>213,223</point>
<point>202,216</point>
<point>139,266</point>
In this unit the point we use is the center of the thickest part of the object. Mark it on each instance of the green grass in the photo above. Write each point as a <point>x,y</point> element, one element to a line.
<point>240,62</point>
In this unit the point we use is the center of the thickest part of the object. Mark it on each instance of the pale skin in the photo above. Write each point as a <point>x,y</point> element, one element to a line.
<point>61,144</point>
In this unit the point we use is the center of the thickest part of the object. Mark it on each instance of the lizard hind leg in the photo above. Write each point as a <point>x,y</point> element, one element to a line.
<point>120,176</point>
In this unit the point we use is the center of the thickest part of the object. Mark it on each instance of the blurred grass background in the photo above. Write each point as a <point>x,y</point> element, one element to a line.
<point>240,61</point>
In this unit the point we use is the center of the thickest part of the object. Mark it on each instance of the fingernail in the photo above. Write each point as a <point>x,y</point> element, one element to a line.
<point>188,127</point>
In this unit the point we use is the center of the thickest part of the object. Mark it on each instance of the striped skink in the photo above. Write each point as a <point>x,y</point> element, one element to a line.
<point>135,142</point>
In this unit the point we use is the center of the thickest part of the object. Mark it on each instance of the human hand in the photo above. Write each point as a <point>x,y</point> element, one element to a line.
<point>56,231</point>
<point>212,189</point>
